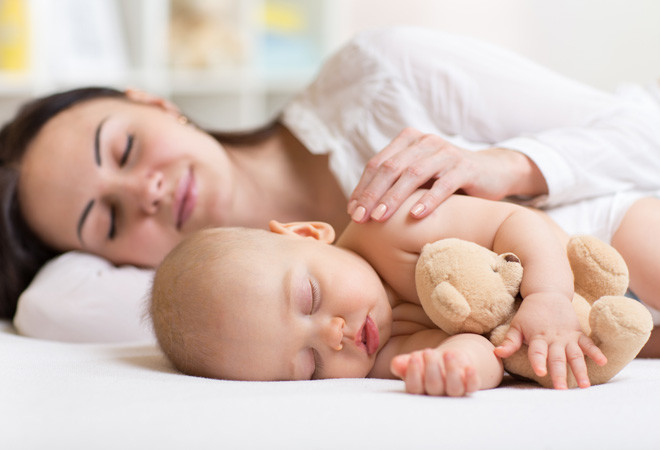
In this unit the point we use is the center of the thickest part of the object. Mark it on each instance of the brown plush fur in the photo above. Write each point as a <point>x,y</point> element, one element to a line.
<point>464,287</point>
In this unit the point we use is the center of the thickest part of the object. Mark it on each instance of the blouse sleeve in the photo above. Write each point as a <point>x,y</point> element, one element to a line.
<point>586,142</point>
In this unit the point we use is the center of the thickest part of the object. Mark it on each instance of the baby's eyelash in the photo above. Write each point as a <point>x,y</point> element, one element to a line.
<point>316,295</point>
<point>318,365</point>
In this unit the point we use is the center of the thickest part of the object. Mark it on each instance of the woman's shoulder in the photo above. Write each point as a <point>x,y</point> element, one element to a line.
<point>394,37</point>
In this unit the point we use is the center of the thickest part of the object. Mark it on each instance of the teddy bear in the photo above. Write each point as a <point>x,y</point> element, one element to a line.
<point>464,287</point>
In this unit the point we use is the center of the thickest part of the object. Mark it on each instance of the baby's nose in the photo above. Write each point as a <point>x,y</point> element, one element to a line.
<point>333,333</point>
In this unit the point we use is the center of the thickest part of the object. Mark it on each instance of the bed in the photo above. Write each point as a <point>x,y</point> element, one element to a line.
<point>107,396</point>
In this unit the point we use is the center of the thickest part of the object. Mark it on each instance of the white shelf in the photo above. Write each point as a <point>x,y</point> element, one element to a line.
<point>224,96</point>
<point>15,84</point>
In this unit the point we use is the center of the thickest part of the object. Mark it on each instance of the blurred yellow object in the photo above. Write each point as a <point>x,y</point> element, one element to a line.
<point>283,17</point>
<point>13,35</point>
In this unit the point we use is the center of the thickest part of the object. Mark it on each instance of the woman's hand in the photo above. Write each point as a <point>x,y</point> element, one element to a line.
<point>415,159</point>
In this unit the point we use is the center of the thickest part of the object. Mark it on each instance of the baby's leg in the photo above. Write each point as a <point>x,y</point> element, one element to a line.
<point>638,241</point>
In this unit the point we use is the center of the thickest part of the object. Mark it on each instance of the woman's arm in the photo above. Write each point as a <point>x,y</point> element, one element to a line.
<point>581,141</point>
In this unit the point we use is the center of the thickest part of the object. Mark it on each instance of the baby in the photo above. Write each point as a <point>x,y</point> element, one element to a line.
<point>286,304</point>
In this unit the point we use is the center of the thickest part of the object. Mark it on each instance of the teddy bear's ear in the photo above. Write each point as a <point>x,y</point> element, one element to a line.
<point>501,261</point>
<point>510,269</point>
<point>510,257</point>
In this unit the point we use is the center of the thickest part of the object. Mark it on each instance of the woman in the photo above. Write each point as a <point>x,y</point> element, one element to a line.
<point>124,176</point>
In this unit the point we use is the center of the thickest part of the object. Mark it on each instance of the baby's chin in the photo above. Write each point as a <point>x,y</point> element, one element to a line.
<point>358,372</point>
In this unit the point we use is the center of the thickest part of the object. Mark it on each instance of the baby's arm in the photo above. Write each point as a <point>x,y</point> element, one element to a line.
<point>457,366</point>
<point>546,320</point>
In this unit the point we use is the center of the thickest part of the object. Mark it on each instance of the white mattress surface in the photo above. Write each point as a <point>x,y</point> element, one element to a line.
<point>116,396</point>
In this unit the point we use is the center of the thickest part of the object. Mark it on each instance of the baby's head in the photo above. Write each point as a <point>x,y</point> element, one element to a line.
<point>284,304</point>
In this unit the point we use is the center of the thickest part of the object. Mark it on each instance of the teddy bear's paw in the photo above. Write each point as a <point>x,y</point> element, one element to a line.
<point>598,269</point>
<point>620,327</point>
<point>617,318</point>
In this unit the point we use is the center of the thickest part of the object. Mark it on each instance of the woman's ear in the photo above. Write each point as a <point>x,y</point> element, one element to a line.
<point>146,98</point>
<point>320,231</point>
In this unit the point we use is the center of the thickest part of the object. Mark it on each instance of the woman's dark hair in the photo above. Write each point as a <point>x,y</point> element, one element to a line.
<point>22,253</point>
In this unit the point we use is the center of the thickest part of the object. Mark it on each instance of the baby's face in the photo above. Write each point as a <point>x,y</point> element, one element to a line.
<point>298,309</point>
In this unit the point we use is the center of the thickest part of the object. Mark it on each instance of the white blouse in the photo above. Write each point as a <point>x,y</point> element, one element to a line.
<point>587,143</point>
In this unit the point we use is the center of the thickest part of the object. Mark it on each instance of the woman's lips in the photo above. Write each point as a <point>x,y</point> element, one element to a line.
<point>367,337</point>
<point>185,199</point>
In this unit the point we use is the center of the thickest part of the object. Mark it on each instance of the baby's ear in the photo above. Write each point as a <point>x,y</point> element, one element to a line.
<point>320,231</point>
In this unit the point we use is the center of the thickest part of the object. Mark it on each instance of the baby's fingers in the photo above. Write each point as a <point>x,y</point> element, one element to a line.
<point>557,363</point>
<point>577,364</point>
<point>472,380</point>
<point>415,374</point>
<point>592,351</point>
<point>399,365</point>
<point>460,377</point>
<point>434,382</point>
<point>511,343</point>
<point>538,356</point>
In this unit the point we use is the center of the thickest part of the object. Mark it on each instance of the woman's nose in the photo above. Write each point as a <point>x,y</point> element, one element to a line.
<point>332,333</point>
<point>145,191</point>
<point>151,192</point>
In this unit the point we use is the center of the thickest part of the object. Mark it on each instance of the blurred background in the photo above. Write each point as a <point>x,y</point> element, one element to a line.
<point>233,63</point>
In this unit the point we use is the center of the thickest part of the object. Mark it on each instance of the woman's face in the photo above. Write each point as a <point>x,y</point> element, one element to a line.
<point>125,180</point>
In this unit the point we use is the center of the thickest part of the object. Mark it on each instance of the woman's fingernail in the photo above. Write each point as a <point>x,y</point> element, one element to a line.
<point>379,212</point>
<point>359,214</point>
<point>417,209</point>
<point>351,206</point>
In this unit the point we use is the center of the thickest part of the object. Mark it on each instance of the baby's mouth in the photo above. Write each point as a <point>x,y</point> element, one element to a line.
<point>368,337</point>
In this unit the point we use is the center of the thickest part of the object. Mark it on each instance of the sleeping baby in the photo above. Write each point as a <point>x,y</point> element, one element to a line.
<point>288,304</point>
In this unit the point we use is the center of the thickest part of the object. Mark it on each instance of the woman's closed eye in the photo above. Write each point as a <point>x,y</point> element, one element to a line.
<point>127,150</point>
<point>112,230</point>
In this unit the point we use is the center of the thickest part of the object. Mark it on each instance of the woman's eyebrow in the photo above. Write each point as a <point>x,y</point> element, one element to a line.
<point>97,142</point>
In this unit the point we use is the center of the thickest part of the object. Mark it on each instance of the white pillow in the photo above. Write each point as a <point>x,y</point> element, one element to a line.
<point>79,297</point>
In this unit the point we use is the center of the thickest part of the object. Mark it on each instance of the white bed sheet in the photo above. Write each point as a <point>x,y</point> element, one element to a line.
<point>109,396</point>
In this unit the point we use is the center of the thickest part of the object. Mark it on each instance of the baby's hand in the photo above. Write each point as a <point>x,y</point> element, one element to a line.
<point>437,372</point>
<point>549,326</point>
